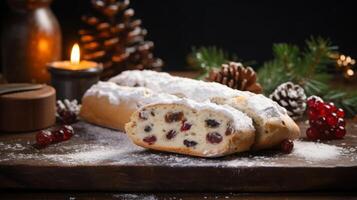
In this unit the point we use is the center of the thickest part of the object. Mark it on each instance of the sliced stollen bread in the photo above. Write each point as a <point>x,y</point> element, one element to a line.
<point>271,120</point>
<point>110,105</point>
<point>184,126</point>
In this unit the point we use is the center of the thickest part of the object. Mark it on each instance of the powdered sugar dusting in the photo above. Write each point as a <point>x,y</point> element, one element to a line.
<point>139,96</point>
<point>258,107</point>
<point>193,89</point>
<point>117,94</point>
<point>313,151</point>
<point>94,145</point>
<point>163,82</point>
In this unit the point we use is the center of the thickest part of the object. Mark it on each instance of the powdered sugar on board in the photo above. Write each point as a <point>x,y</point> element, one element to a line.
<point>94,145</point>
<point>313,151</point>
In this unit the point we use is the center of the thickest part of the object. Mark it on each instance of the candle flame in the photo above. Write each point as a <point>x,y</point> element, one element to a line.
<point>75,54</point>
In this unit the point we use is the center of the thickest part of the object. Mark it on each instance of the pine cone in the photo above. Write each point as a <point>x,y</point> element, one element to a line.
<point>67,111</point>
<point>292,97</point>
<point>112,37</point>
<point>236,76</point>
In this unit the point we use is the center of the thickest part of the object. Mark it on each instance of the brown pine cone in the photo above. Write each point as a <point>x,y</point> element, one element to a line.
<point>67,111</point>
<point>112,35</point>
<point>236,76</point>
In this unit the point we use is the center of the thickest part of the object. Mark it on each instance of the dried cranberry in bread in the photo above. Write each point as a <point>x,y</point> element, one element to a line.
<point>187,127</point>
<point>272,123</point>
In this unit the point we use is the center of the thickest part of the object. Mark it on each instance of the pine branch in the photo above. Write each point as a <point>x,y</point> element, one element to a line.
<point>307,68</point>
<point>302,67</point>
<point>207,58</point>
<point>344,100</point>
<point>211,57</point>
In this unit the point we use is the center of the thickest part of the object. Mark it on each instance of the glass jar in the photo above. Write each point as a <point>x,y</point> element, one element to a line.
<point>31,38</point>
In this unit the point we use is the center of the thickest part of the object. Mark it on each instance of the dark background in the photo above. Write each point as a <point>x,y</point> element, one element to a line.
<point>246,28</point>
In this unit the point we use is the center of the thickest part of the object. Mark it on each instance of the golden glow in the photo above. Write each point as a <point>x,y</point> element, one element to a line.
<point>339,62</point>
<point>43,45</point>
<point>75,54</point>
<point>348,59</point>
<point>350,72</point>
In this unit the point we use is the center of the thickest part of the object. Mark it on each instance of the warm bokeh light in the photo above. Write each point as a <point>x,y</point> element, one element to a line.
<point>350,72</point>
<point>75,54</point>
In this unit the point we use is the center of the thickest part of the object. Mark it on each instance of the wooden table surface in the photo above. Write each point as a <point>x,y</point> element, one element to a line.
<point>26,173</point>
<point>173,196</point>
<point>102,160</point>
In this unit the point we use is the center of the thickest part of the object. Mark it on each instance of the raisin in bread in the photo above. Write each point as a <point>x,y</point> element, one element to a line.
<point>187,127</point>
<point>271,120</point>
<point>110,105</point>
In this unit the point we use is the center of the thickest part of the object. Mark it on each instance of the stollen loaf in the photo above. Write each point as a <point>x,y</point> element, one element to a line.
<point>271,120</point>
<point>166,122</point>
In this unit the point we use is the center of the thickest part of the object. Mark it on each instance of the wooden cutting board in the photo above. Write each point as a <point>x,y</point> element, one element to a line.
<point>100,159</point>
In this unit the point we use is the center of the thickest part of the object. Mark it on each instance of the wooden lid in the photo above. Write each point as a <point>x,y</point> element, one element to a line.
<point>28,110</point>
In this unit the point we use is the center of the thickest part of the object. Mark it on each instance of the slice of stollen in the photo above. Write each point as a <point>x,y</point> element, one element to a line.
<point>194,128</point>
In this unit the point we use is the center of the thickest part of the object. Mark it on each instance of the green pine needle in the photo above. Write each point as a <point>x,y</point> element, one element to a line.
<point>307,68</point>
<point>304,66</point>
<point>208,58</point>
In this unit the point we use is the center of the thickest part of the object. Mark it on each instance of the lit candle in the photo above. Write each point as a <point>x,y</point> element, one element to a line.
<point>75,63</point>
<point>71,78</point>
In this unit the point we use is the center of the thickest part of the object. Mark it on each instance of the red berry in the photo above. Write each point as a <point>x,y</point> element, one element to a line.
<point>321,124</point>
<point>327,134</point>
<point>150,139</point>
<point>67,131</point>
<point>340,132</point>
<point>332,119</point>
<point>311,102</point>
<point>325,119</point>
<point>341,122</point>
<point>340,113</point>
<point>312,133</point>
<point>313,123</point>
<point>319,105</point>
<point>185,126</point>
<point>313,115</point>
<point>286,146</point>
<point>332,107</point>
<point>58,135</point>
<point>323,110</point>
<point>44,138</point>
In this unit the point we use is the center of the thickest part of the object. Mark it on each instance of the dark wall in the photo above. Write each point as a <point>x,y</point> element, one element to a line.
<point>247,28</point>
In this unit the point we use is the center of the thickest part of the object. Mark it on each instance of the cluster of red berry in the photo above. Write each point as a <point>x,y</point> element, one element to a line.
<point>326,120</point>
<point>47,137</point>
<point>66,117</point>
